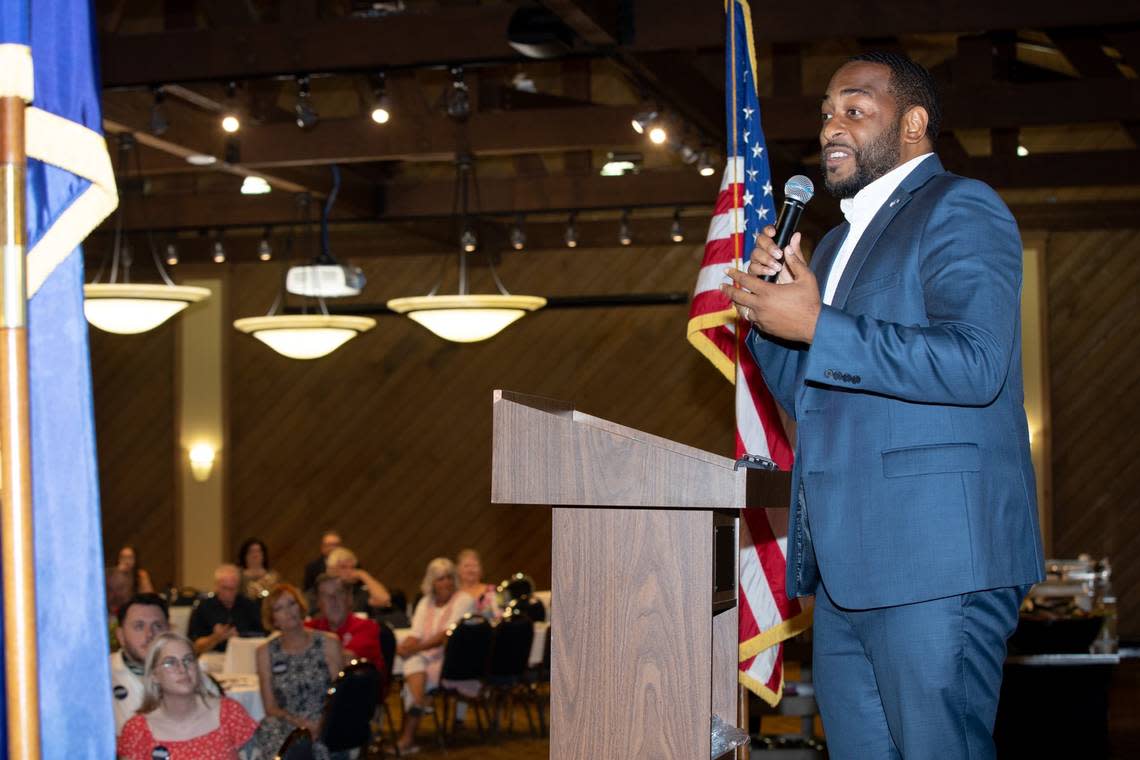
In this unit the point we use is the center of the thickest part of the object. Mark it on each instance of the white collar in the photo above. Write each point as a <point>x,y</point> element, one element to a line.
<point>866,203</point>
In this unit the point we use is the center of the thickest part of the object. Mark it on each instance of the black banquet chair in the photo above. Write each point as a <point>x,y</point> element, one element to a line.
<point>388,649</point>
<point>507,664</point>
<point>346,722</point>
<point>464,661</point>
<point>298,745</point>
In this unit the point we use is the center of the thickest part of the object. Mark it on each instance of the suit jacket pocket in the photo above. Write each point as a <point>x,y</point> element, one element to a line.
<point>862,289</point>
<point>931,459</point>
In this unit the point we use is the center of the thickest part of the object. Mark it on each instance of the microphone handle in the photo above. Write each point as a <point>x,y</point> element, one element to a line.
<point>785,226</point>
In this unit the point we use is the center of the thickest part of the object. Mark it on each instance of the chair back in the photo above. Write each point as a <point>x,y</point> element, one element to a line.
<point>530,605</point>
<point>298,745</point>
<point>465,652</point>
<point>510,647</point>
<point>388,647</point>
<point>349,706</point>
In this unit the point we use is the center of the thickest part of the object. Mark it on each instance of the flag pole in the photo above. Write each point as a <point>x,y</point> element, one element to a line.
<point>20,657</point>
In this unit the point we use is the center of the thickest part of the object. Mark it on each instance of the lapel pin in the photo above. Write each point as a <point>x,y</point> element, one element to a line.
<point>895,202</point>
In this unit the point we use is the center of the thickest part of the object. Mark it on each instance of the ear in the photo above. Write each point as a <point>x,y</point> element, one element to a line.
<point>914,123</point>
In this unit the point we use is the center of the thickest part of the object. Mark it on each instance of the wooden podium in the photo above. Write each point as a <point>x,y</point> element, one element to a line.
<point>644,568</point>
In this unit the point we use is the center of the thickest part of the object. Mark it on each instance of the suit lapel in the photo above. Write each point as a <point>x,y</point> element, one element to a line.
<point>894,204</point>
<point>824,256</point>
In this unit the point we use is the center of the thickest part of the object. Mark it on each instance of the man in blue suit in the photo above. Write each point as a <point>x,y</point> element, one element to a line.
<point>898,353</point>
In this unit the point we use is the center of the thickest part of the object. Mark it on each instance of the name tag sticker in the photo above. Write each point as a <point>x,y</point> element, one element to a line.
<point>280,667</point>
<point>119,691</point>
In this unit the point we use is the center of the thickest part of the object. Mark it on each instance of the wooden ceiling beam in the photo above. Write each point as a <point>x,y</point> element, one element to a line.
<point>478,33</point>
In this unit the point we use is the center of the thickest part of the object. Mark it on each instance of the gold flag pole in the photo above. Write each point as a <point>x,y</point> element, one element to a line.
<point>20,657</point>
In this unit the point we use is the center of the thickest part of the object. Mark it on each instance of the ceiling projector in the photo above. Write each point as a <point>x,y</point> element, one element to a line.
<point>325,281</point>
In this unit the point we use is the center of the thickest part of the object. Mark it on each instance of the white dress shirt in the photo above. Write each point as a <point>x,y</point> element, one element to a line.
<point>859,212</point>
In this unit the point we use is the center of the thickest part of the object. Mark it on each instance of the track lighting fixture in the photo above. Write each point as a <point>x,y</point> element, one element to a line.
<point>171,254</point>
<point>518,234</point>
<point>642,121</point>
<point>306,115</point>
<point>231,122</point>
<point>457,98</point>
<point>625,237</point>
<point>219,249</point>
<point>159,122</point>
<point>704,165</point>
<point>381,110</point>
<point>571,235</point>
<point>264,249</point>
<point>676,234</point>
<point>468,240</point>
<point>658,135</point>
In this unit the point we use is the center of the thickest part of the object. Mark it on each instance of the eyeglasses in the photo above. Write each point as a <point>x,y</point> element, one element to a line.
<point>185,663</point>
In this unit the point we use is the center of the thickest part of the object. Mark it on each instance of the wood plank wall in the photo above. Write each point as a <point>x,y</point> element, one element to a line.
<point>1094,321</point>
<point>133,380</point>
<point>388,439</point>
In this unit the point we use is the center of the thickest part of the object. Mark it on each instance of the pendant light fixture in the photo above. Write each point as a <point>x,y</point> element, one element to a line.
<point>125,307</point>
<point>466,317</point>
<point>306,336</point>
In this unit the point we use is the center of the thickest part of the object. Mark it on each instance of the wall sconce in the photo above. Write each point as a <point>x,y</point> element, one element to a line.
<point>202,461</point>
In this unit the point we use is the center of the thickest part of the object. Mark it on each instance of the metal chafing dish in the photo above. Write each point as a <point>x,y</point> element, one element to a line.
<point>1072,611</point>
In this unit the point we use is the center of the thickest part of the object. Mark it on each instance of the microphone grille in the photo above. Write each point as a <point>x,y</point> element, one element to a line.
<point>799,188</point>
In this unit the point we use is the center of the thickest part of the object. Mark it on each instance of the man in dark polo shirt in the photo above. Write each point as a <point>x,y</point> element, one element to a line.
<point>330,540</point>
<point>224,614</point>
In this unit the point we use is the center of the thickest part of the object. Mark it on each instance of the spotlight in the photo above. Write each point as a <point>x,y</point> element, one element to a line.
<point>658,135</point>
<point>231,122</point>
<point>458,99</point>
<point>306,116</point>
<point>704,165</point>
<point>468,240</point>
<point>1022,151</point>
<point>171,254</point>
<point>688,155</point>
<point>518,234</point>
<point>571,236</point>
<point>264,249</point>
<point>231,151</point>
<point>381,105</point>
<point>676,234</point>
<point>642,121</point>
<point>624,235</point>
<point>252,185</point>
<point>158,120</point>
<point>219,249</point>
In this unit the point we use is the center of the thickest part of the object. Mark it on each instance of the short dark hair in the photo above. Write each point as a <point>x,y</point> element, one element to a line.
<point>324,578</point>
<point>245,547</point>
<point>911,84</point>
<point>147,600</point>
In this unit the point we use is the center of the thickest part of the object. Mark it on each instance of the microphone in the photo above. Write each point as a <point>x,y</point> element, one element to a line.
<point>797,192</point>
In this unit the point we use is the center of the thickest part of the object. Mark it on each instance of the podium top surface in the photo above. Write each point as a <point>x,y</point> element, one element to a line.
<point>546,452</point>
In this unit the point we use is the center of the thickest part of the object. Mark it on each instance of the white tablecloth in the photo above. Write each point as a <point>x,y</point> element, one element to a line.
<point>536,647</point>
<point>244,689</point>
<point>241,654</point>
<point>180,619</point>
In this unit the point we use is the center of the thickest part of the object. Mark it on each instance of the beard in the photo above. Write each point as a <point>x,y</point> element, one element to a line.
<point>877,158</point>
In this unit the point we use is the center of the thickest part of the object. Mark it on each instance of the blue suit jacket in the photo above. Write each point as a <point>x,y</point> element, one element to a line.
<point>912,447</point>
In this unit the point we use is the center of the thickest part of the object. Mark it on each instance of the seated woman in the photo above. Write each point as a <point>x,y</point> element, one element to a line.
<point>256,577</point>
<point>470,571</point>
<point>181,710</point>
<point>295,670</point>
<point>441,605</point>
<point>128,562</point>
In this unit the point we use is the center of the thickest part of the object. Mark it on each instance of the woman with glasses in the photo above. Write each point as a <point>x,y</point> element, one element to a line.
<point>182,716</point>
<point>295,670</point>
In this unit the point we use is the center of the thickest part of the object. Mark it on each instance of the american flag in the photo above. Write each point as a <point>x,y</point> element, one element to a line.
<point>744,205</point>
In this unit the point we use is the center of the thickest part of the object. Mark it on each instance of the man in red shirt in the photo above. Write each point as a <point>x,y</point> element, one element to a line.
<point>360,637</point>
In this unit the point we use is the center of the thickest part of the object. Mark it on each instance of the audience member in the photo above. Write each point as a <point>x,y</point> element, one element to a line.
<point>330,540</point>
<point>182,715</point>
<point>128,562</point>
<point>441,605</point>
<point>141,619</point>
<point>295,670</point>
<point>224,614</point>
<point>360,637</point>
<point>470,572</point>
<point>256,577</point>
<point>368,594</point>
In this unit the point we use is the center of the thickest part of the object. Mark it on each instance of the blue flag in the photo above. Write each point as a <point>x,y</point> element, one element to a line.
<point>48,57</point>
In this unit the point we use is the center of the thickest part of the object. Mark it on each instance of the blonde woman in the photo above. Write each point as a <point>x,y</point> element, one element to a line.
<point>182,712</point>
<point>442,604</point>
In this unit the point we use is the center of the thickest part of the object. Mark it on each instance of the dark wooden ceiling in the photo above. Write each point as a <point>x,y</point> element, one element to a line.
<point>1055,77</point>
